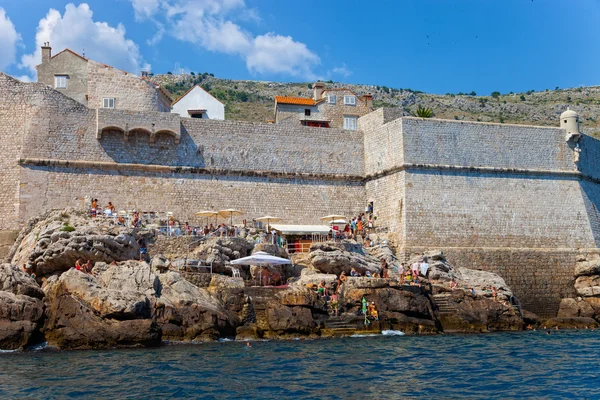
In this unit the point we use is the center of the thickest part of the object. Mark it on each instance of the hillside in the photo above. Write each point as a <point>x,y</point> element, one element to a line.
<point>254,100</point>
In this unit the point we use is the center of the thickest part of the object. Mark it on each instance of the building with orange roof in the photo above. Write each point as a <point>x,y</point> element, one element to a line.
<point>328,108</point>
<point>98,85</point>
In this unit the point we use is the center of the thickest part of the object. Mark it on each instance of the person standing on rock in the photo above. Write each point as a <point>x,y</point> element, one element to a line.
<point>415,268</point>
<point>94,207</point>
<point>142,245</point>
<point>385,271</point>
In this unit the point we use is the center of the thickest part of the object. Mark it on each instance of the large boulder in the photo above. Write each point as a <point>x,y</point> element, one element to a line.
<point>17,281</point>
<point>587,267</point>
<point>83,312</point>
<point>220,250</point>
<point>465,312</point>
<point>310,276</point>
<point>588,286</point>
<point>334,257</point>
<point>573,308</point>
<point>187,312</point>
<point>284,321</point>
<point>21,310</point>
<point>55,241</point>
<point>483,281</point>
<point>20,317</point>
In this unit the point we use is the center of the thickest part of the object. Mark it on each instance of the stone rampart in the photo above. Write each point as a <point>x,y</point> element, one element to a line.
<point>505,198</point>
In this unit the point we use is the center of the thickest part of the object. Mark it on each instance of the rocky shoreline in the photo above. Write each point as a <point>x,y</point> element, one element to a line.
<point>126,302</point>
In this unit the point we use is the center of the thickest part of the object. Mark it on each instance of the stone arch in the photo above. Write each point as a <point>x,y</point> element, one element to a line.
<point>108,129</point>
<point>166,132</point>
<point>139,129</point>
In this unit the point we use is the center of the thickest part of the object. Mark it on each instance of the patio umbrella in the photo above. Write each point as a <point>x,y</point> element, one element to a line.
<point>207,214</point>
<point>230,212</point>
<point>332,217</point>
<point>261,258</point>
<point>268,218</point>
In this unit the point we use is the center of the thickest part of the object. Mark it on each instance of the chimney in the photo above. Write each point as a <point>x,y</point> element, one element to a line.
<point>368,98</point>
<point>318,90</point>
<point>46,52</point>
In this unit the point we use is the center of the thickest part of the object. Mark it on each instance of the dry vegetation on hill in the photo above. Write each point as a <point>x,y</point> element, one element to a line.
<point>254,100</point>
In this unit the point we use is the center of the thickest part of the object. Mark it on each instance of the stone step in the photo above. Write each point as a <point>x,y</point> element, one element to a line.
<point>349,332</point>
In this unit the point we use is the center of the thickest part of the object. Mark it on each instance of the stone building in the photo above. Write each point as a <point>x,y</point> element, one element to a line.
<point>329,108</point>
<point>198,103</point>
<point>521,201</point>
<point>97,85</point>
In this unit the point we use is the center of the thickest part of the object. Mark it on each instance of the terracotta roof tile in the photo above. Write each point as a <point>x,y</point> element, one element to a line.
<point>295,100</point>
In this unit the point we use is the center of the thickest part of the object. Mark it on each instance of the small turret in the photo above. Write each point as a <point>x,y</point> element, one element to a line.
<point>569,121</point>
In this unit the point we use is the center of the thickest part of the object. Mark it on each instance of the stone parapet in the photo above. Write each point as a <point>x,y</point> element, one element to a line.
<point>153,123</point>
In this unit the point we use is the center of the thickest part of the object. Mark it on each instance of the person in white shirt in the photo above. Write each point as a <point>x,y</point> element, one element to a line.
<point>424,268</point>
<point>415,268</point>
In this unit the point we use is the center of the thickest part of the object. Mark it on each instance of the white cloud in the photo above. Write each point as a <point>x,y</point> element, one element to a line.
<point>145,8</point>
<point>211,24</point>
<point>8,40</point>
<point>77,31</point>
<point>281,54</point>
<point>343,71</point>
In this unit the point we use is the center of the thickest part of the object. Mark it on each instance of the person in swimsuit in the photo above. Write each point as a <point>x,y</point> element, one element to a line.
<point>335,303</point>
<point>94,207</point>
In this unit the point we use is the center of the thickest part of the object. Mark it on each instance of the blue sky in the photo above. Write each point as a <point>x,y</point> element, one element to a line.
<point>436,46</point>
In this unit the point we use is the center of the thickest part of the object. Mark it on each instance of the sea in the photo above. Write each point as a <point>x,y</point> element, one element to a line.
<point>535,364</point>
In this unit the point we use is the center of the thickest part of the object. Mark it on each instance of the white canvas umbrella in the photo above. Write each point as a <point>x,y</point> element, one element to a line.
<point>207,214</point>
<point>332,217</point>
<point>268,218</point>
<point>261,258</point>
<point>230,212</point>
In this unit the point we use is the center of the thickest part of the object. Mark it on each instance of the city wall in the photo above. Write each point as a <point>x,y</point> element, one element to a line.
<point>498,197</point>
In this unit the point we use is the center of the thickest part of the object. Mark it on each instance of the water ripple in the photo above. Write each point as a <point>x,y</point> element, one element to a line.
<point>564,364</point>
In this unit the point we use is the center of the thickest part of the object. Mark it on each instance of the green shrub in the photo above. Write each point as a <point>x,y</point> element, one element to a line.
<point>67,228</point>
<point>423,112</point>
<point>495,94</point>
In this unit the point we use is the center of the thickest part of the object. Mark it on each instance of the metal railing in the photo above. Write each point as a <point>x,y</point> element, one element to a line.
<point>516,302</point>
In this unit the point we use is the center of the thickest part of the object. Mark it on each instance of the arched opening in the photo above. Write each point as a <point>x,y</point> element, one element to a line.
<point>175,135</point>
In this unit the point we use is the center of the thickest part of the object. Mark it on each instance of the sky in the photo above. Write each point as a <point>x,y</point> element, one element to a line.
<point>436,46</point>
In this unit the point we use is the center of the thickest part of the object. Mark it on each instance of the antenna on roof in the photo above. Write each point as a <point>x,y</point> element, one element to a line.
<point>84,52</point>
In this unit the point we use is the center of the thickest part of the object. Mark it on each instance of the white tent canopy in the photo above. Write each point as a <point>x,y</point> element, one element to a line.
<point>301,229</point>
<point>261,258</point>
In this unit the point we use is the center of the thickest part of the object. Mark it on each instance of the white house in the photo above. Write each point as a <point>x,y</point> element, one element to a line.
<point>198,103</point>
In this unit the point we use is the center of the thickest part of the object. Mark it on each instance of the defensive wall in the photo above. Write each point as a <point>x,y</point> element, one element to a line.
<point>157,161</point>
<point>506,198</point>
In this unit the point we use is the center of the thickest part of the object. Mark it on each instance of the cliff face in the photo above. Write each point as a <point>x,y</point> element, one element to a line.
<point>132,303</point>
<point>254,100</point>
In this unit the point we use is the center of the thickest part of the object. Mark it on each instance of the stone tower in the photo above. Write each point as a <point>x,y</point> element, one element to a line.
<point>569,120</point>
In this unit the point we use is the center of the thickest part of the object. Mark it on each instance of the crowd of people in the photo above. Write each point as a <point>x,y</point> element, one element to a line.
<point>360,225</point>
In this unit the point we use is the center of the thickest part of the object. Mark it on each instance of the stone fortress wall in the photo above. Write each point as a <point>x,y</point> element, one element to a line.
<point>500,197</point>
<point>505,198</point>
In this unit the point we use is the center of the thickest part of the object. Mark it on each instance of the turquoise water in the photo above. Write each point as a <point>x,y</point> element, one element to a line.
<point>564,364</point>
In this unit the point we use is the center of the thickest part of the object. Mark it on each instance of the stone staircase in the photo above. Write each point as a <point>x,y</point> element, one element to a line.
<point>259,299</point>
<point>442,301</point>
<point>343,326</point>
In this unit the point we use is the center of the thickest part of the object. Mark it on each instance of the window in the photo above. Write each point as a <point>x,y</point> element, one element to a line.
<point>307,112</point>
<point>108,102</point>
<point>331,99</point>
<point>349,100</point>
<point>197,115</point>
<point>60,81</point>
<point>350,122</point>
